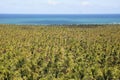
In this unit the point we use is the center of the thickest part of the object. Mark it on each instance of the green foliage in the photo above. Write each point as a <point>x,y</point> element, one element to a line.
<point>60,52</point>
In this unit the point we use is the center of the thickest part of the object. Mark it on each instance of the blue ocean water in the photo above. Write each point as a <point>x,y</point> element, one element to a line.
<point>45,19</point>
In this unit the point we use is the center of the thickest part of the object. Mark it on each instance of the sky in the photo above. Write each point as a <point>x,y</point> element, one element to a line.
<point>59,6</point>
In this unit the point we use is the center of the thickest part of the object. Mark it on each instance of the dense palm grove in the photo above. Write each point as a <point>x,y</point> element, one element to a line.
<point>60,52</point>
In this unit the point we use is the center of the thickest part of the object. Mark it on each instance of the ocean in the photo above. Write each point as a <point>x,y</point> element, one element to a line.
<point>59,19</point>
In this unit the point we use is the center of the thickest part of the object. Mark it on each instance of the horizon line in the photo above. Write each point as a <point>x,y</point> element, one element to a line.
<point>62,14</point>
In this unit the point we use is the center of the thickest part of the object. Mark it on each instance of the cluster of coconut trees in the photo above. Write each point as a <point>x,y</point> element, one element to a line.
<point>60,52</point>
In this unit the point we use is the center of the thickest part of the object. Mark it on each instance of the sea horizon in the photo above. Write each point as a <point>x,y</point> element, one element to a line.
<point>59,19</point>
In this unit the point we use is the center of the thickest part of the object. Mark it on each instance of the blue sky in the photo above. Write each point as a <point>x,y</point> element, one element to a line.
<point>60,6</point>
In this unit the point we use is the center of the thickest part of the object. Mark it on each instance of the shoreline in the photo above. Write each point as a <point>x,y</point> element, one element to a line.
<point>60,24</point>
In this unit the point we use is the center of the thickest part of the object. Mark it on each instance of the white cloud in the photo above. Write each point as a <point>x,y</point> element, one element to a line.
<point>53,2</point>
<point>85,3</point>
